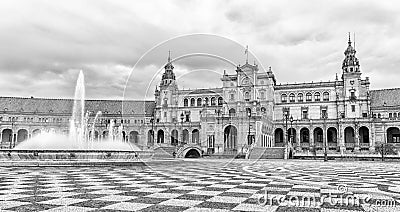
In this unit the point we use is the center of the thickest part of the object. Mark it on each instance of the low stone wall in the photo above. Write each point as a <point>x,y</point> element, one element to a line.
<point>29,155</point>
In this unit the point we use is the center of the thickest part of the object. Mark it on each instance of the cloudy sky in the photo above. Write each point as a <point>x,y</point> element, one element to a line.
<point>44,44</point>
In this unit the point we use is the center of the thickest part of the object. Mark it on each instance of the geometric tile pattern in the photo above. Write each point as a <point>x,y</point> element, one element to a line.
<point>186,185</point>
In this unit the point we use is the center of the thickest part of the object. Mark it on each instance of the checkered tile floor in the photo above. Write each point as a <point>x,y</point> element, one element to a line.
<point>195,185</point>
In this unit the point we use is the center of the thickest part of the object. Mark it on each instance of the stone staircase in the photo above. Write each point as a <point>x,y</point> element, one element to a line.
<point>164,152</point>
<point>267,153</point>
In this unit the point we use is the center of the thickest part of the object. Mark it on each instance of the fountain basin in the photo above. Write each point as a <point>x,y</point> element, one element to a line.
<point>21,157</point>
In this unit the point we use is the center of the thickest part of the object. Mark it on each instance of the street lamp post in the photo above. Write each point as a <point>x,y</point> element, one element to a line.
<point>291,130</point>
<point>249,140</point>
<point>182,117</point>
<point>175,140</point>
<point>12,135</point>
<point>286,117</point>
<point>325,141</point>
<point>152,129</point>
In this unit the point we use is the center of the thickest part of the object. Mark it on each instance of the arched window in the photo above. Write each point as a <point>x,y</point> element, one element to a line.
<point>317,97</point>
<point>291,97</point>
<point>247,96</point>
<point>220,101</point>
<point>284,98</point>
<point>232,96</point>
<point>308,97</point>
<point>185,102</point>
<point>212,101</point>
<point>326,96</point>
<point>262,95</point>
<point>192,101</point>
<point>300,97</point>
<point>206,101</point>
<point>199,102</point>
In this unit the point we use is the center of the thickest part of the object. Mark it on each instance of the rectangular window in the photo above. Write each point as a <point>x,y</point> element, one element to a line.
<point>286,112</point>
<point>211,141</point>
<point>262,95</point>
<point>353,108</point>
<point>304,114</point>
<point>352,95</point>
<point>165,114</point>
<point>324,114</point>
<point>365,115</point>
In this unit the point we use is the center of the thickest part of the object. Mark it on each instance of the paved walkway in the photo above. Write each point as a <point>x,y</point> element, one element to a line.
<point>205,185</point>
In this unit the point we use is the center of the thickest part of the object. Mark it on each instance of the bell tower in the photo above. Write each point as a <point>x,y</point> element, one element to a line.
<point>352,82</point>
<point>166,95</point>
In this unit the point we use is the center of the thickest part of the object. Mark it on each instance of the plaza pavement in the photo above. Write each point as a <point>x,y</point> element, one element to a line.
<point>205,185</point>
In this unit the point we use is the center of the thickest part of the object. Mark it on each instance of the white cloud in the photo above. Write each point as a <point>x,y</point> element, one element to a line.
<point>45,42</point>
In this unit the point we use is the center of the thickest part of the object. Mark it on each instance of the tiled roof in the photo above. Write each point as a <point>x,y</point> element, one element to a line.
<point>40,105</point>
<point>385,97</point>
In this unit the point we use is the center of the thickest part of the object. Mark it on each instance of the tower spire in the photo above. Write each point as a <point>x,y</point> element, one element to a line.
<point>350,62</point>
<point>349,40</point>
<point>246,52</point>
<point>168,76</point>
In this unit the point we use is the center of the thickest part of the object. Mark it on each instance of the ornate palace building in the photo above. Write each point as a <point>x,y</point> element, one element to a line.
<point>249,111</point>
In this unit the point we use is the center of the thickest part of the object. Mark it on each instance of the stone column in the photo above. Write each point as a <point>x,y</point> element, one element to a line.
<point>311,136</point>
<point>357,138</point>
<point>298,148</point>
<point>13,139</point>
<point>342,146</point>
<point>372,138</point>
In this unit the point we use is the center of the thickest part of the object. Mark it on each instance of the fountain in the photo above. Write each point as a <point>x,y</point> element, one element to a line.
<point>80,142</point>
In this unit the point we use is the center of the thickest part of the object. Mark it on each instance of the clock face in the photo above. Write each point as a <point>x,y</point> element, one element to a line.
<point>352,82</point>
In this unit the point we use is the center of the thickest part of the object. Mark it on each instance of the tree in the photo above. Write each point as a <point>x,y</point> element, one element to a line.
<point>385,149</point>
